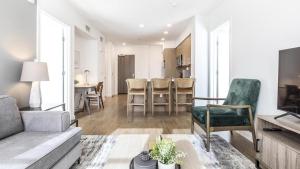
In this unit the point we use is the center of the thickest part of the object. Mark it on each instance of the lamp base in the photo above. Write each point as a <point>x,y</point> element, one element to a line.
<point>35,100</point>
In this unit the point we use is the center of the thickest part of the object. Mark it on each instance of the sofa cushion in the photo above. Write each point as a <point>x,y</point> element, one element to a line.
<point>10,117</point>
<point>37,150</point>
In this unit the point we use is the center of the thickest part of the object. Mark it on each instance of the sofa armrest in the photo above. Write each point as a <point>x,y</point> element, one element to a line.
<point>46,121</point>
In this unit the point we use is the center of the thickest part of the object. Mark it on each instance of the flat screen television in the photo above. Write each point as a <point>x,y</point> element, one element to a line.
<point>288,98</point>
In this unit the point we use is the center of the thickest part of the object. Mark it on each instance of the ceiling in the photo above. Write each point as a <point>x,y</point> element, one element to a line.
<point>119,20</point>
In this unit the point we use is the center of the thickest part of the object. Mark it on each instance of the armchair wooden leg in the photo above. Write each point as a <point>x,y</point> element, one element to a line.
<point>207,130</point>
<point>252,128</point>
<point>231,132</point>
<point>208,140</point>
<point>254,138</point>
<point>192,125</point>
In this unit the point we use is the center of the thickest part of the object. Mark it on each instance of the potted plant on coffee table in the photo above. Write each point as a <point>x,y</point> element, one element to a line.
<point>164,151</point>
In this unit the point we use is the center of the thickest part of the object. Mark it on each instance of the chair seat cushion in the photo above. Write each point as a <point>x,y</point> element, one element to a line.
<point>220,117</point>
<point>37,150</point>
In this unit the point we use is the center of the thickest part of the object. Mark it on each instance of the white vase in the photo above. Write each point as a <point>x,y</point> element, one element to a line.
<point>165,166</point>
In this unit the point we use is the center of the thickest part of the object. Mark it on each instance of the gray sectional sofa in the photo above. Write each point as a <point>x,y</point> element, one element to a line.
<point>36,140</point>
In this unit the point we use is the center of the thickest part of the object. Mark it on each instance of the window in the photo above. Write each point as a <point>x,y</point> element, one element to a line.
<point>219,61</point>
<point>53,48</point>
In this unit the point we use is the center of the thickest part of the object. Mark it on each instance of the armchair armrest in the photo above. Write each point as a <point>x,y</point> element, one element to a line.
<point>46,121</point>
<point>229,106</point>
<point>207,98</point>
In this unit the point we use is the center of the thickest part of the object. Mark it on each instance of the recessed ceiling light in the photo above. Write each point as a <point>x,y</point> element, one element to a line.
<point>141,25</point>
<point>166,32</point>
<point>162,39</point>
<point>169,25</point>
<point>124,44</point>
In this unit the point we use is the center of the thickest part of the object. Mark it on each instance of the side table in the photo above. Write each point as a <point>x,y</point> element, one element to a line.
<point>74,122</point>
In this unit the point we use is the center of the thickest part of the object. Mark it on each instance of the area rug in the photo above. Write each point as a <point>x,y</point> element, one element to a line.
<point>222,156</point>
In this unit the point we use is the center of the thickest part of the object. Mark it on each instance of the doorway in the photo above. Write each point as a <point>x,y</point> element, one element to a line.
<point>54,49</point>
<point>219,67</point>
<point>126,70</point>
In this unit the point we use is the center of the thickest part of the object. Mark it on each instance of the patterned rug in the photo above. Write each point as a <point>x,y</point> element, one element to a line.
<point>222,156</point>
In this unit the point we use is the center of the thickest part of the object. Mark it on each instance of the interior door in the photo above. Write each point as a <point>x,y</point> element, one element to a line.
<point>125,71</point>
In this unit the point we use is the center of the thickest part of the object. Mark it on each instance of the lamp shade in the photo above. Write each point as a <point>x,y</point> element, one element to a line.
<point>34,71</point>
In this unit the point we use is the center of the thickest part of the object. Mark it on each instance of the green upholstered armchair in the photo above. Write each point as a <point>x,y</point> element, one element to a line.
<point>236,113</point>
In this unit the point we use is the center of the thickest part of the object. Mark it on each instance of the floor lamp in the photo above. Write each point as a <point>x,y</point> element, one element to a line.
<point>35,72</point>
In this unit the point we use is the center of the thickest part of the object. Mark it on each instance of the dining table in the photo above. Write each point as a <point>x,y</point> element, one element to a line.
<point>84,89</point>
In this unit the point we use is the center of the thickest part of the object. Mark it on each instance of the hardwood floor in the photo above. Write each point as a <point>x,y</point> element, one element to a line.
<point>113,120</point>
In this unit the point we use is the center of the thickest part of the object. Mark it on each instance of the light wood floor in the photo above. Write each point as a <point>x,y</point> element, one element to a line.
<point>113,120</point>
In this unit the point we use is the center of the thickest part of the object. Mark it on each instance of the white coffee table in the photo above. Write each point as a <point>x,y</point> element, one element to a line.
<point>128,146</point>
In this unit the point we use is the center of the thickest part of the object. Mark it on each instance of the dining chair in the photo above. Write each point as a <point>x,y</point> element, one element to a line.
<point>136,87</point>
<point>184,87</point>
<point>97,96</point>
<point>161,87</point>
<point>236,113</point>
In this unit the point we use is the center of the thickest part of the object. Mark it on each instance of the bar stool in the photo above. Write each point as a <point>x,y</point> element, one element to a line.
<point>136,87</point>
<point>161,87</point>
<point>184,86</point>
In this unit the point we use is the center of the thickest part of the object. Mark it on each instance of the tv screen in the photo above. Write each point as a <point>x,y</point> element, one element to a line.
<point>289,80</point>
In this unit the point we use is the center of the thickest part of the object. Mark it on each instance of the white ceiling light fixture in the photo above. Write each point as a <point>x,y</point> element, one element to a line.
<point>166,32</point>
<point>169,25</point>
<point>141,25</point>
<point>162,39</point>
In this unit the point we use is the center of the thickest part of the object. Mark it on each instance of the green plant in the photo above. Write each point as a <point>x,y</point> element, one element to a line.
<point>165,152</point>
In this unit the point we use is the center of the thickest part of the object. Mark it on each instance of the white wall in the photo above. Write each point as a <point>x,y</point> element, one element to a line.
<point>148,62</point>
<point>17,44</point>
<point>148,59</point>
<point>110,56</point>
<point>89,56</point>
<point>197,28</point>
<point>259,30</point>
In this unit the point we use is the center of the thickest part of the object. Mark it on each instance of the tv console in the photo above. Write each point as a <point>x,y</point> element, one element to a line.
<point>278,149</point>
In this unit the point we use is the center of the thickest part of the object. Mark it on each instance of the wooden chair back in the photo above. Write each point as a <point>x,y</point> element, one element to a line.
<point>184,83</point>
<point>99,88</point>
<point>160,83</point>
<point>136,84</point>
